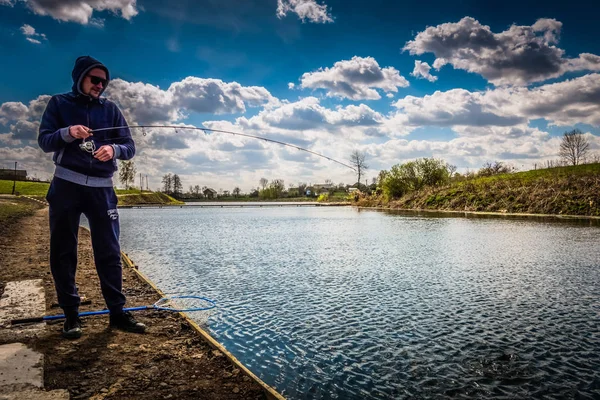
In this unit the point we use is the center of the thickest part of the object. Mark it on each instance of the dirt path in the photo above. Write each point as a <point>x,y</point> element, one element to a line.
<point>170,361</point>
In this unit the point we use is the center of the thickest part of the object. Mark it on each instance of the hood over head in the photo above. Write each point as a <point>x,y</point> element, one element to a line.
<point>83,65</point>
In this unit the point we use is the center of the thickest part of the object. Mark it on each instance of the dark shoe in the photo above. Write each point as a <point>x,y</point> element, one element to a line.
<point>126,322</point>
<point>72,327</point>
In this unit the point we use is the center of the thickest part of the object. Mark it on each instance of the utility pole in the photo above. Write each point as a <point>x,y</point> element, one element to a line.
<point>15,179</point>
<point>141,184</point>
<point>146,182</point>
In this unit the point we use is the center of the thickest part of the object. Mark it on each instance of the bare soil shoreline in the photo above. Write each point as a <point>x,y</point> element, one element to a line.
<point>170,361</point>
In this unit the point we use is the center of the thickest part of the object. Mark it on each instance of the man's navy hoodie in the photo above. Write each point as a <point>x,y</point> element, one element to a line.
<point>76,108</point>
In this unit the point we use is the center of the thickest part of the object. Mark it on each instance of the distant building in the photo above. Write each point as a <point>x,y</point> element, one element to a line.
<point>210,193</point>
<point>323,187</point>
<point>9,174</point>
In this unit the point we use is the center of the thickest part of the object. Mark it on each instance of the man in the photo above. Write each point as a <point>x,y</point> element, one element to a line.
<point>85,162</point>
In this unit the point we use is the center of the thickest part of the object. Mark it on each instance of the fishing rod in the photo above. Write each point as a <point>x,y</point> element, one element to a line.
<point>143,127</point>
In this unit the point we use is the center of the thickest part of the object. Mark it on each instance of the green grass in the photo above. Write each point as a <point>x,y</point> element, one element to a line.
<point>560,191</point>
<point>25,187</point>
<point>126,197</point>
<point>534,175</point>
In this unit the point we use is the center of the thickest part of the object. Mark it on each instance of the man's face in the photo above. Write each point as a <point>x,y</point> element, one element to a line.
<point>94,82</point>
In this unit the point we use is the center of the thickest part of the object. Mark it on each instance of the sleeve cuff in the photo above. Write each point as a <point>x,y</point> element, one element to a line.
<point>116,151</point>
<point>64,134</point>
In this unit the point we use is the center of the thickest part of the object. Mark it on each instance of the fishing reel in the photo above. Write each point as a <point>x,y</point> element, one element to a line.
<point>89,147</point>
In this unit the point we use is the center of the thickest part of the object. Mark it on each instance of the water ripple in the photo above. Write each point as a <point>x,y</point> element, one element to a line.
<point>335,303</point>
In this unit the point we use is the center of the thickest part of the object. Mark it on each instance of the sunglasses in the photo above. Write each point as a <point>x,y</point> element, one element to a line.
<point>96,80</point>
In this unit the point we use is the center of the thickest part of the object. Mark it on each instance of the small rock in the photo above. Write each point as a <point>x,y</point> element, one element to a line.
<point>246,379</point>
<point>217,353</point>
<point>104,390</point>
<point>227,375</point>
<point>236,389</point>
<point>163,384</point>
<point>113,346</point>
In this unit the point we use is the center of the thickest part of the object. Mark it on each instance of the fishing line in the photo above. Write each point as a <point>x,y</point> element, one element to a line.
<point>143,127</point>
<point>171,303</point>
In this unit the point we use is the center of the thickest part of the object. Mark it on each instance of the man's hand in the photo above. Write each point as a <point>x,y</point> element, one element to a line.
<point>105,153</point>
<point>80,131</point>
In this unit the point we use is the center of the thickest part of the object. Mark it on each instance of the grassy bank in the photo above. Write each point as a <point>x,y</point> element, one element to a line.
<point>135,197</point>
<point>561,191</point>
<point>38,191</point>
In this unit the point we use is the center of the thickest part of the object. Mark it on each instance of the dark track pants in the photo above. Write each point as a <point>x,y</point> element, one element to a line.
<point>99,204</point>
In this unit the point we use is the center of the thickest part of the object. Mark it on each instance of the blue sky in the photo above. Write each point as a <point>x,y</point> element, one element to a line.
<point>501,81</point>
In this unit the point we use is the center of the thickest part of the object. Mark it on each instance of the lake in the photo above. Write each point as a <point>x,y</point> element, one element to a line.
<point>336,302</point>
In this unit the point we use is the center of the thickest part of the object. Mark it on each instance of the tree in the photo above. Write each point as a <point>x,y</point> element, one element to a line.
<point>236,191</point>
<point>177,186</point>
<point>574,147</point>
<point>263,183</point>
<point>413,176</point>
<point>274,191</point>
<point>197,191</point>
<point>495,168</point>
<point>127,172</point>
<point>357,159</point>
<point>302,188</point>
<point>167,181</point>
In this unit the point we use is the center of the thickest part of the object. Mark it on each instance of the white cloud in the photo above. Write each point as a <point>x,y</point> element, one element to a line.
<point>148,104</point>
<point>305,9</point>
<point>31,34</point>
<point>517,56</point>
<point>291,85</point>
<point>143,103</point>
<point>308,115</point>
<point>37,106</point>
<point>454,107</point>
<point>218,97</point>
<point>25,130</point>
<point>564,103</point>
<point>421,70</point>
<point>79,11</point>
<point>355,79</point>
<point>28,30</point>
<point>13,110</point>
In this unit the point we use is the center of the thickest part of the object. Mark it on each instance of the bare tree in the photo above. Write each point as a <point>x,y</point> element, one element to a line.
<point>451,169</point>
<point>357,159</point>
<point>127,172</point>
<point>574,147</point>
<point>236,191</point>
<point>495,168</point>
<point>263,183</point>
<point>177,185</point>
<point>167,181</point>
<point>197,191</point>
